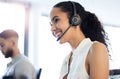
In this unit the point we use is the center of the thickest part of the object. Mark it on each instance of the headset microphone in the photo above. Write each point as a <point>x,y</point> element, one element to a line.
<point>63,33</point>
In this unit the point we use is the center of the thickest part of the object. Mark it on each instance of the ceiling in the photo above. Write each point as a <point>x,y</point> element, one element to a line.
<point>107,10</point>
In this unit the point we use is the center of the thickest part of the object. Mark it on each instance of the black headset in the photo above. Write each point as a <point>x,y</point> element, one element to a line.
<point>74,20</point>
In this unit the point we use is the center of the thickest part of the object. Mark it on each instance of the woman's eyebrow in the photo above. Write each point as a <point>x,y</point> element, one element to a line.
<point>53,18</point>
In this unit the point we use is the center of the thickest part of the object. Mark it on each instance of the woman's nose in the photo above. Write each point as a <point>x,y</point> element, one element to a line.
<point>53,28</point>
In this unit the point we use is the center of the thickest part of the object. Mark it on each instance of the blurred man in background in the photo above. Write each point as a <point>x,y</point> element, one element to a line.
<point>20,67</point>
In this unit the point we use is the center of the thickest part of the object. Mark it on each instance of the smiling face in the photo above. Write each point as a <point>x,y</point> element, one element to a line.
<point>59,23</point>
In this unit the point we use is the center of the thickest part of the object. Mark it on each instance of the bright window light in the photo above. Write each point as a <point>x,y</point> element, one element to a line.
<point>12,16</point>
<point>113,34</point>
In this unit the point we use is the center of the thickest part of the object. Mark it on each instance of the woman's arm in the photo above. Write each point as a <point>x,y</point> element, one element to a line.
<point>98,61</point>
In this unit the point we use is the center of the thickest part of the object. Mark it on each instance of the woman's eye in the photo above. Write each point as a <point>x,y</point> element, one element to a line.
<point>56,21</point>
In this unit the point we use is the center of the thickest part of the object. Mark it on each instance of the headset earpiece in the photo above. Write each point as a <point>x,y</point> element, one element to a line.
<point>74,20</point>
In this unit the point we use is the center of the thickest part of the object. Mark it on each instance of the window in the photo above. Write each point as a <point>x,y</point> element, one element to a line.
<point>12,16</point>
<point>113,34</point>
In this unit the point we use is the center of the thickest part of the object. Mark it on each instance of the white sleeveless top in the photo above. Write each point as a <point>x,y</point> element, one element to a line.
<point>77,66</point>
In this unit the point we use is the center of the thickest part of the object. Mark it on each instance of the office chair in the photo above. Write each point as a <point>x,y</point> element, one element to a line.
<point>39,73</point>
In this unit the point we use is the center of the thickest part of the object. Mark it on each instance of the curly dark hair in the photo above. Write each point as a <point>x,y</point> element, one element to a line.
<point>90,25</point>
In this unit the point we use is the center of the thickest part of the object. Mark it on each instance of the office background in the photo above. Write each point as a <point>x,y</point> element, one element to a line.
<point>30,18</point>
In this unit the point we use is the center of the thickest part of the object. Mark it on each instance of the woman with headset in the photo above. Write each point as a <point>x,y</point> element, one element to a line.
<point>89,58</point>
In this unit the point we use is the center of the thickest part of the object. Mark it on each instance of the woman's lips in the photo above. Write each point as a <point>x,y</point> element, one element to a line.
<point>57,33</point>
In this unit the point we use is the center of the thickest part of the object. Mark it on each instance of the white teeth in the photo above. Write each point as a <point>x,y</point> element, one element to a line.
<point>57,34</point>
